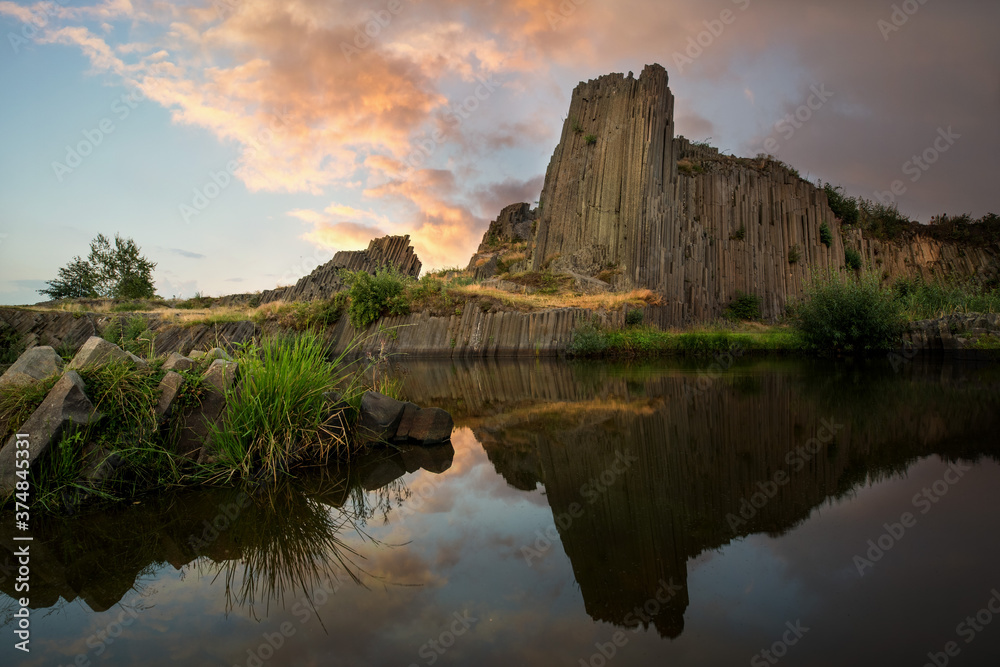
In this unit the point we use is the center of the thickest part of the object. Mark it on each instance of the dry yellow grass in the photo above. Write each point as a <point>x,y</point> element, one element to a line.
<point>529,302</point>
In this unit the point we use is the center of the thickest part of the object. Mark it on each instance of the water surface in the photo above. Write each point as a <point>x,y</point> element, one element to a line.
<point>591,514</point>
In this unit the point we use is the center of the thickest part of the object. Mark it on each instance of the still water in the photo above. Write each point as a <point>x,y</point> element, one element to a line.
<point>757,513</point>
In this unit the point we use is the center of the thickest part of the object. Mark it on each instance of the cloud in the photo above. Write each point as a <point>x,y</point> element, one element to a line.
<point>343,235</point>
<point>311,107</point>
<point>186,253</point>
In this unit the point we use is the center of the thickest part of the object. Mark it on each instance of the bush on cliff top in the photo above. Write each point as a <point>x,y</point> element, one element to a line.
<point>372,296</point>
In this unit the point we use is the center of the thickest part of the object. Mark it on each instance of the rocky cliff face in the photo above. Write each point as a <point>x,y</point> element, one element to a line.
<point>626,200</point>
<point>324,281</point>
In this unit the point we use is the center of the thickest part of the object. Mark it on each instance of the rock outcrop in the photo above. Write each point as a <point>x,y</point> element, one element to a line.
<point>325,281</point>
<point>626,201</point>
<point>65,408</point>
<point>504,242</point>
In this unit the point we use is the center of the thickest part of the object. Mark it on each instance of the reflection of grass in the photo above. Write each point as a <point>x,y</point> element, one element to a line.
<point>287,543</point>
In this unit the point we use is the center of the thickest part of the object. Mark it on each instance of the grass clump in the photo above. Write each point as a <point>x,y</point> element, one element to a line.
<point>277,417</point>
<point>11,344</point>
<point>590,139</point>
<point>18,401</point>
<point>132,335</point>
<point>853,316</point>
<point>794,255</point>
<point>744,307</point>
<point>739,235</point>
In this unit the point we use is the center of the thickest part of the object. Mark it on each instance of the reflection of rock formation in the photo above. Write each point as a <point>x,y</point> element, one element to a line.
<point>703,448</point>
<point>100,557</point>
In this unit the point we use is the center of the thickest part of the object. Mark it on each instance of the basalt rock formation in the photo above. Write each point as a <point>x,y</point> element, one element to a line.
<point>627,201</point>
<point>388,251</point>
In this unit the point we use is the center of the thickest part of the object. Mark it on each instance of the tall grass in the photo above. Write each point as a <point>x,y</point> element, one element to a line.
<point>645,341</point>
<point>277,416</point>
<point>921,300</point>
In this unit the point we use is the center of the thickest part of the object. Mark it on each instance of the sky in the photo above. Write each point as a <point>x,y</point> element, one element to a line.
<point>241,143</point>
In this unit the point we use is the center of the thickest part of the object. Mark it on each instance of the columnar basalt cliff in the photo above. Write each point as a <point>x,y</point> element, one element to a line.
<point>623,196</point>
<point>388,251</point>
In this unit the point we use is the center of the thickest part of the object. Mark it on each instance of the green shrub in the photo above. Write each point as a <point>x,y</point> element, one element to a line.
<point>853,316</point>
<point>588,341</point>
<point>852,259</point>
<point>633,317</point>
<point>374,295</point>
<point>739,234</point>
<point>577,127</point>
<point>794,255</point>
<point>591,139</point>
<point>744,307</point>
<point>881,221</point>
<point>845,208</point>
<point>825,235</point>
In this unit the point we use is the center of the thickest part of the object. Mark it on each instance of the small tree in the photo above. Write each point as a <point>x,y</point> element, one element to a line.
<point>116,272</point>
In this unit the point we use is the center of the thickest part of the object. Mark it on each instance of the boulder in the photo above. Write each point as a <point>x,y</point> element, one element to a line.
<point>424,426</point>
<point>98,352</point>
<point>218,353</point>
<point>380,416</point>
<point>178,362</point>
<point>169,389</point>
<point>37,363</point>
<point>66,407</point>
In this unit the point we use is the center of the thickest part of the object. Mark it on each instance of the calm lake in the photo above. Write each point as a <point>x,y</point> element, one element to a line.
<point>747,512</point>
